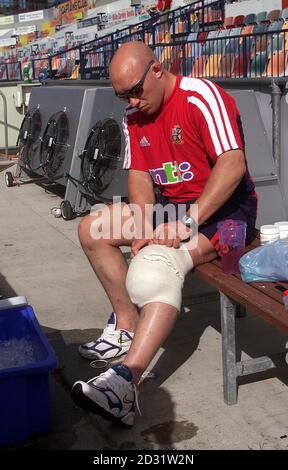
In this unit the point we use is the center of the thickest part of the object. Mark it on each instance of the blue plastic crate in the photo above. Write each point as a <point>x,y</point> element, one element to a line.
<point>24,391</point>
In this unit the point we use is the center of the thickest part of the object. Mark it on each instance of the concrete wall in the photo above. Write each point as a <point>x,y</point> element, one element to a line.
<point>249,6</point>
<point>15,94</point>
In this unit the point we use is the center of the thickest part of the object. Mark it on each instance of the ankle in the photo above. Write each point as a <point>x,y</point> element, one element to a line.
<point>126,321</point>
<point>124,371</point>
<point>135,372</point>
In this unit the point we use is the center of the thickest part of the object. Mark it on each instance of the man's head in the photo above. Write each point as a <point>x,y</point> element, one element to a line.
<point>138,77</point>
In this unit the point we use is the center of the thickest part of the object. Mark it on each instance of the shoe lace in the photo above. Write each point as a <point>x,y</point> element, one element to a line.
<point>107,334</point>
<point>134,388</point>
<point>113,378</point>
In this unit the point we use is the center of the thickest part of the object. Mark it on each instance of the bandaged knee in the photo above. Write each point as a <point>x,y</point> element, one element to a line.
<point>157,273</point>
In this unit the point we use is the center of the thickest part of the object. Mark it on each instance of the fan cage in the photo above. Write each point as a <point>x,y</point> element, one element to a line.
<point>54,144</point>
<point>101,156</point>
<point>28,136</point>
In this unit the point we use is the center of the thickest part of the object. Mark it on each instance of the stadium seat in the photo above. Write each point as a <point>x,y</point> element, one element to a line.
<point>261,17</point>
<point>285,27</point>
<point>165,57</point>
<point>192,36</point>
<point>240,67</point>
<point>176,59</point>
<point>260,28</point>
<point>3,72</point>
<point>250,19</point>
<point>226,65</point>
<point>212,66</point>
<point>246,37</point>
<point>284,14</point>
<point>188,65</point>
<point>258,65</point>
<point>275,43</point>
<point>202,36</point>
<point>223,33</point>
<point>275,26</point>
<point>75,72</point>
<point>274,15</point>
<point>276,64</point>
<point>260,43</point>
<point>232,46</point>
<point>228,22</point>
<point>209,43</point>
<point>192,49</point>
<point>199,65</point>
<point>239,21</point>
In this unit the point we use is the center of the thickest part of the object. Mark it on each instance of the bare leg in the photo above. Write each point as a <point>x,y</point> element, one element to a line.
<point>155,324</point>
<point>110,267</point>
<point>157,320</point>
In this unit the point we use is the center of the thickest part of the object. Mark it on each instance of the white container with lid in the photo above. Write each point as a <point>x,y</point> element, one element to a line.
<point>269,234</point>
<point>283,227</point>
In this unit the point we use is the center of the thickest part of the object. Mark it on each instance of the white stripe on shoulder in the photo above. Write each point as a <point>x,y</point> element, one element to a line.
<point>127,154</point>
<point>129,111</point>
<point>207,114</point>
<point>226,118</point>
<point>200,87</point>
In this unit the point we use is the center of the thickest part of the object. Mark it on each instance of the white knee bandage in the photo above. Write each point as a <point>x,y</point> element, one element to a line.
<point>157,273</point>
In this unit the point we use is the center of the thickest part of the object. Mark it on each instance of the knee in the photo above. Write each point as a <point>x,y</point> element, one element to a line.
<point>84,232</point>
<point>156,274</point>
<point>89,229</point>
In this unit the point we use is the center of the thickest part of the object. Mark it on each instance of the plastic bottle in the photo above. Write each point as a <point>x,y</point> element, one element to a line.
<point>283,228</point>
<point>26,77</point>
<point>269,234</point>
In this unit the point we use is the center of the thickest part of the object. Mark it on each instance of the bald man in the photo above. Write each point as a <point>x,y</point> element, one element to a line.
<point>183,136</point>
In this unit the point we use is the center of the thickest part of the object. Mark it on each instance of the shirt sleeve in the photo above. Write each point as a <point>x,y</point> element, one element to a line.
<point>134,158</point>
<point>219,121</point>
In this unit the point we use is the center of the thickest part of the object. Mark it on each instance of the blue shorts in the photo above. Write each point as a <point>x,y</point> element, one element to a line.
<point>243,210</point>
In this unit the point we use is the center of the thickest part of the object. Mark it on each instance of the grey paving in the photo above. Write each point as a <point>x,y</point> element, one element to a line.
<point>183,408</point>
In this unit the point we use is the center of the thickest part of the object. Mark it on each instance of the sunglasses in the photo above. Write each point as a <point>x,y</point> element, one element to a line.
<point>137,89</point>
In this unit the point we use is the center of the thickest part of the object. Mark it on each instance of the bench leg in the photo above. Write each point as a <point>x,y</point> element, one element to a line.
<point>228,312</point>
<point>240,311</point>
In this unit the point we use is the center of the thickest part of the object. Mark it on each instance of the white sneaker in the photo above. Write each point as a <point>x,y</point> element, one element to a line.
<point>111,395</point>
<point>112,343</point>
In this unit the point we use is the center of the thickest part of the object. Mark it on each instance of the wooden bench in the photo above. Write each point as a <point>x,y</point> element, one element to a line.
<point>263,299</point>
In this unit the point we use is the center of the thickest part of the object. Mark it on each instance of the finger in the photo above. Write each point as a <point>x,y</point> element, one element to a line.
<point>176,243</point>
<point>156,237</point>
<point>169,243</point>
<point>160,230</point>
<point>132,253</point>
<point>137,246</point>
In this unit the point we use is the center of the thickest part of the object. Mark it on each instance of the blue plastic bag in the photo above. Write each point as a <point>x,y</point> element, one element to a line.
<point>266,263</point>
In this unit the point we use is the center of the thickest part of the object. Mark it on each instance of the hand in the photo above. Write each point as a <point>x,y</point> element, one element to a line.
<point>171,234</point>
<point>137,244</point>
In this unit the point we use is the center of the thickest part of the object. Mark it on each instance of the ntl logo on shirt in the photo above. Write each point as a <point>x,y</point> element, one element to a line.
<point>171,173</point>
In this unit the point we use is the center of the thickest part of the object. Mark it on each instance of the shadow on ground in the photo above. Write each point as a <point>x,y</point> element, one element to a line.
<point>74,428</point>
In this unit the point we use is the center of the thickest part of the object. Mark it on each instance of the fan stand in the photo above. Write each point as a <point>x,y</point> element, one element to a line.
<point>20,177</point>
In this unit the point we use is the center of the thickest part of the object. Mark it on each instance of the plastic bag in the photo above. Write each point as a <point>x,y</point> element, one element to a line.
<point>266,263</point>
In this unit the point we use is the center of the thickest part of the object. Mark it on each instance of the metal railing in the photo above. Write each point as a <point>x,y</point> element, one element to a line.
<point>5,123</point>
<point>182,46</point>
<point>179,22</point>
<point>232,56</point>
<point>10,71</point>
